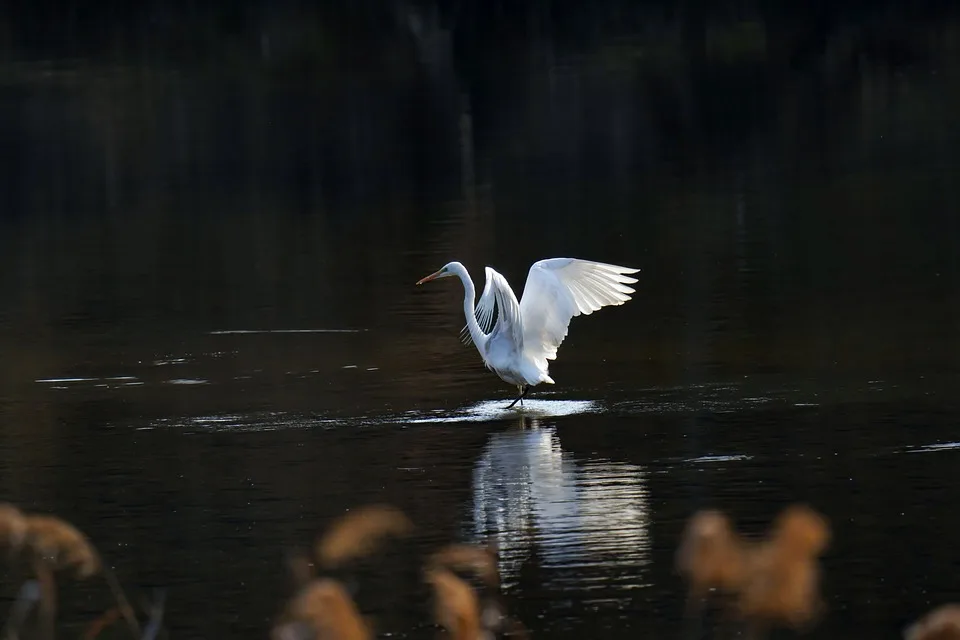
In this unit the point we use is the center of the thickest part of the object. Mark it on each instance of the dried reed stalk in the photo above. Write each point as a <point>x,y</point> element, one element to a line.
<point>711,556</point>
<point>302,569</point>
<point>106,619</point>
<point>456,607</point>
<point>783,580</point>
<point>56,545</point>
<point>322,608</point>
<point>28,597</point>
<point>774,581</point>
<point>59,545</point>
<point>13,527</point>
<point>476,559</point>
<point>480,561</point>
<point>941,623</point>
<point>358,533</point>
<point>325,608</point>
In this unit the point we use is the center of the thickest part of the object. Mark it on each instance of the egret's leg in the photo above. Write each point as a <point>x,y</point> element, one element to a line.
<point>523,392</point>
<point>520,391</point>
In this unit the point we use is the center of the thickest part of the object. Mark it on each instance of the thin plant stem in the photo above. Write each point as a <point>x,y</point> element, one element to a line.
<point>122,602</point>
<point>48,599</point>
<point>26,599</point>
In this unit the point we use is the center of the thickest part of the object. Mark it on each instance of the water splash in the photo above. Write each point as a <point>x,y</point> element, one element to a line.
<point>493,410</point>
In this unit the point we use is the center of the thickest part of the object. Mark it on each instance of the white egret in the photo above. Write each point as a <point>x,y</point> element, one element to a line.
<point>528,333</point>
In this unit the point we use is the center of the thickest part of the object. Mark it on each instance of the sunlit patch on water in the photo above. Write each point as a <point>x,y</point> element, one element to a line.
<point>939,446</point>
<point>534,499</point>
<point>490,410</point>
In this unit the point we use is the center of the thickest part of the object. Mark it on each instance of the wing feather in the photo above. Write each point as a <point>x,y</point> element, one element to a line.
<point>483,312</point>
<point>559,289</point>
<point>497,296</point>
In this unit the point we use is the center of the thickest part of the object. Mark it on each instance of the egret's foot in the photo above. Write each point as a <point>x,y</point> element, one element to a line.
<point>523,394</point>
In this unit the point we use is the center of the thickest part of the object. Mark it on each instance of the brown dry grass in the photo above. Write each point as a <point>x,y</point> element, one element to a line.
<point>478,560</point>
<point>60,545</point>
<point>769,582</point>
<point>456,607</point>
<point>302,569</point>
<point>783,577</point>
<point>322,608</point>
<point>358,533</point>
<point>328,612</point>
<point>54,545</point>
<point>942,623</point>
<point>13,526</point>
<point>459,608</point>
<point>711,555</point>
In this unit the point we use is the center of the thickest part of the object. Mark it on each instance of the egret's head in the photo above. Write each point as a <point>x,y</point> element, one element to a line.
<point>445,272</point>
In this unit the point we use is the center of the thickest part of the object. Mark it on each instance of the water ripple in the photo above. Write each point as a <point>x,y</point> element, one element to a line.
<point>225,332</point>
<point>532,498</point>
<point>491,410</point>
<point>939,446</point>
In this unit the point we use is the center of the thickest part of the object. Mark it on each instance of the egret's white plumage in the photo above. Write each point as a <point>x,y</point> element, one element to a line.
<point>526,334</point>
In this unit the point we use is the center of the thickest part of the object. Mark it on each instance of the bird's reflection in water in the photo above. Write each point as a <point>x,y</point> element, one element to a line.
<point>585,521</point>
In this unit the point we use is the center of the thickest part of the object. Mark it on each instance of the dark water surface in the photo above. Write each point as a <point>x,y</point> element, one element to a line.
<point>212,343</point>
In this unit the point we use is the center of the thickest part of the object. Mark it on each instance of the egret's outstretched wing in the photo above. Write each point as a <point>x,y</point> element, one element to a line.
<point>497,295</point>
<point>559,289</point>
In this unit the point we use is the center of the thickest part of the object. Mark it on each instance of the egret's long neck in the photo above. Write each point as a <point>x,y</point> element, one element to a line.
<point>469,309</point>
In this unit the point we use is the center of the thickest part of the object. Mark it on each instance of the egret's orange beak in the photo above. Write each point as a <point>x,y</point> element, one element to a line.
<point>432,276</point>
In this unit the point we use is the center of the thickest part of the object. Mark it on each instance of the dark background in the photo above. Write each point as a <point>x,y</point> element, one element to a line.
<point>784,174</point>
